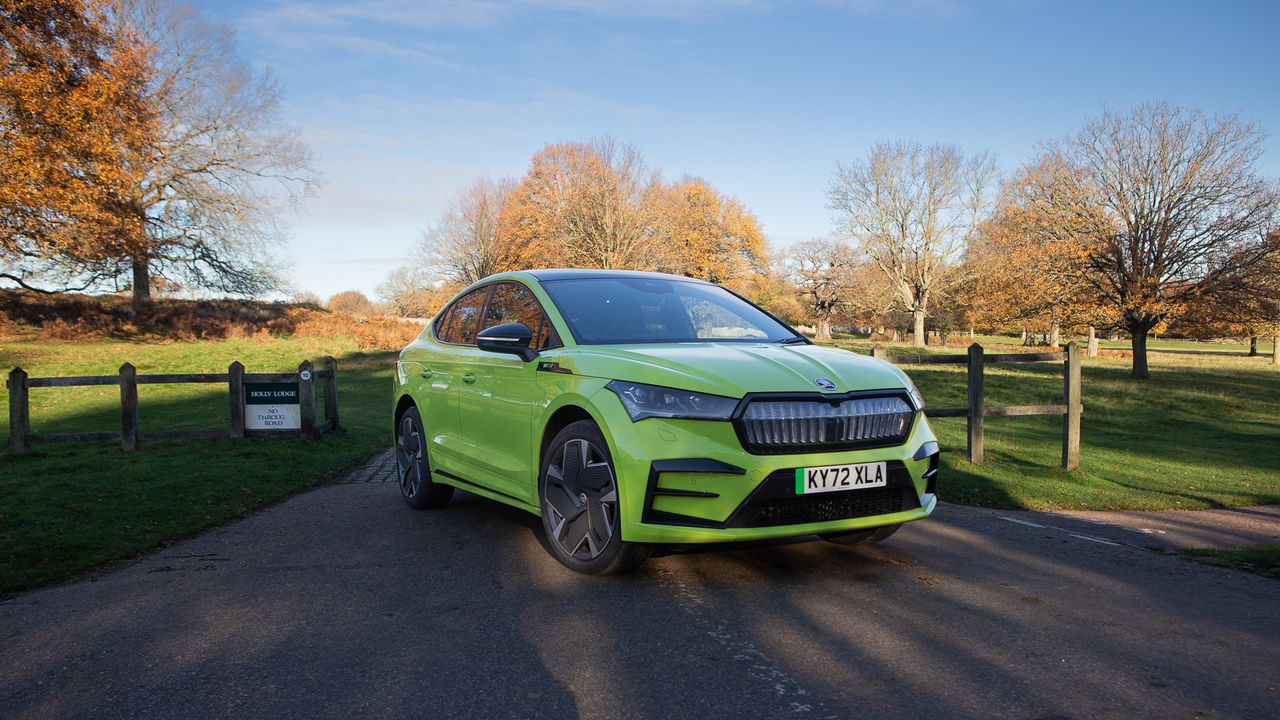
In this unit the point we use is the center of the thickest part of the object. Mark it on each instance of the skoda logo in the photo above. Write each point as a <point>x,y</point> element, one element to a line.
<point>824,384</point>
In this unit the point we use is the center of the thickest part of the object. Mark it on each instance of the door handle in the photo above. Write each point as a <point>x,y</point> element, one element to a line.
<point>425,374</point>
<point>468,378</point>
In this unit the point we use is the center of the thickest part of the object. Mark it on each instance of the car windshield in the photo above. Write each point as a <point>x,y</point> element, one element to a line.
<point>609,311</point>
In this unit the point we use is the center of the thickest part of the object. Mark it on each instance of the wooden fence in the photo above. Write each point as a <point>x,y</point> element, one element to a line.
<point>130,434</point>
<point>977,411</point>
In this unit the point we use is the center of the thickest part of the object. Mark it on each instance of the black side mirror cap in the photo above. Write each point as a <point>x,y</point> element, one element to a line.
<point>510,338</point>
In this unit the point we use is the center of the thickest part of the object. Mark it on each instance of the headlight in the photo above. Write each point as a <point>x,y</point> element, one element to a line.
<point>916,398</point>
<point>646,401</point>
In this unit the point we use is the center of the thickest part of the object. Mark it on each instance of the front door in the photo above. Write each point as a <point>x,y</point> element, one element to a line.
<point>496,397</point>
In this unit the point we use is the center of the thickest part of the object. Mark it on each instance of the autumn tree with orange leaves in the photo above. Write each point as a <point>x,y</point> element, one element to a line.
<point>598,205</point>
<point>138,150</point>
<point>73,112</point>
<point>1028,261</point>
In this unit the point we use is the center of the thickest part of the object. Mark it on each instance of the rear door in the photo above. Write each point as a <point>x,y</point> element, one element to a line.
<point>497,397</point>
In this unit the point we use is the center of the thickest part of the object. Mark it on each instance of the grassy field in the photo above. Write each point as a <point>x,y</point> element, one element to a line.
<point>65,508</point>
<point>1203,432</point>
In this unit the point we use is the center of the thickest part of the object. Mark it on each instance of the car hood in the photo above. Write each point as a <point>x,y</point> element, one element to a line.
<point>734,369</point>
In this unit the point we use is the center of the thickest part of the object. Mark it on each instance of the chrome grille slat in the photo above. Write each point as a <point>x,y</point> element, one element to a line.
<point>799,425</point>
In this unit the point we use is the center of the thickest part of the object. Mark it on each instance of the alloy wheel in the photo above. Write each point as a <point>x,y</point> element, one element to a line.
<point>580,498</point>
<point>409,457</point>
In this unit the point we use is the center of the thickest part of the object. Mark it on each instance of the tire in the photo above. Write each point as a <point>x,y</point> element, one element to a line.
<point>862,537</point>
<point>413,467</point>
<point>578,492</point>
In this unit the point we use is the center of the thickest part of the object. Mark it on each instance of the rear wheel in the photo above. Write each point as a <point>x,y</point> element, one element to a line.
<point>413,468</point>
<point>580,511</point>
<point>862,537</point>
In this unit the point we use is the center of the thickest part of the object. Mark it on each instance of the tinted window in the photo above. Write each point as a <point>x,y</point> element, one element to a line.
<point>512,303</point>
<point>649,310</point>
<point>462,323</point>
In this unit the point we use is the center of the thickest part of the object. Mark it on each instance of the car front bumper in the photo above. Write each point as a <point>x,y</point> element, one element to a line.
<point>691,481</point>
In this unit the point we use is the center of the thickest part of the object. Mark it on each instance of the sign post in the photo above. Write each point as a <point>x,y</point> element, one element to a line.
<point>272,406</point>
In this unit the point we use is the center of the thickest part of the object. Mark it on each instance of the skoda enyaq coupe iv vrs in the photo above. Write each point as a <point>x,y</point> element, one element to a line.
<point>630,410</point>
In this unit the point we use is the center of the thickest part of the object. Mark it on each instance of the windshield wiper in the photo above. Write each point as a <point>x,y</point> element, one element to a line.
<point>792,341</point>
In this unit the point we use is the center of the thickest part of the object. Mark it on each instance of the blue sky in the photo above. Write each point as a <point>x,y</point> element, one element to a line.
<point>403,102</point>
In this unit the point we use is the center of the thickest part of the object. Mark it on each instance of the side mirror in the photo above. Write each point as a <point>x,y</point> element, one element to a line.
<point>511,338</point>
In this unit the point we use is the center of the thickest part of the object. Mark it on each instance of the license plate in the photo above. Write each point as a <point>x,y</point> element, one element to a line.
<point>834,478</point>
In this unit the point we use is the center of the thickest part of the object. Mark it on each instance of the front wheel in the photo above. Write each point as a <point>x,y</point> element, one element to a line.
<point>580,511</point>
<point>413,467</point>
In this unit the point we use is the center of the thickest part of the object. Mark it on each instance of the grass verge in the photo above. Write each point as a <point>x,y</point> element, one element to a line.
<point>1259,559</point>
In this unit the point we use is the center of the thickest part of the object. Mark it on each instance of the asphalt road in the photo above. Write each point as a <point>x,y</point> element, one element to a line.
<point>345,603</point>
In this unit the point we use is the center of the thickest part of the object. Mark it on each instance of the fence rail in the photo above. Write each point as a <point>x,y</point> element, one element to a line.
<point>19,384</point>
<point>976,411</point>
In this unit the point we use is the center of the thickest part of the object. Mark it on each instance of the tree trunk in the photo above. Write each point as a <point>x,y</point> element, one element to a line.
<point>1253,346</point>
<point>1054,331</point>
<point>141,285</point>
<point>917,337</point>
<point>1275,349</point>
<point>897,335</point>
<point>1140,371</point>
<point>823,329</point>
<point>1093,342</point>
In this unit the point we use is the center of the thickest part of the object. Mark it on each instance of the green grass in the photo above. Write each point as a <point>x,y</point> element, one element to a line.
<point>1202,432</point>
<point>1261,559</point>
<point>67,508</point>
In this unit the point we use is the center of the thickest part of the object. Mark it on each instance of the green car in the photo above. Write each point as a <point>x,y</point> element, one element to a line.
<point>632,410</point>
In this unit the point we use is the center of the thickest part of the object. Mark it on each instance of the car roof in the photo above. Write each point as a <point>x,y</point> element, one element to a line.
<point>580,274</point>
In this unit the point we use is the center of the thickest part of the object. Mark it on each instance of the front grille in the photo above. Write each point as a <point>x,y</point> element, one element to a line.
<point>824,423</point>
<point>801,509</point>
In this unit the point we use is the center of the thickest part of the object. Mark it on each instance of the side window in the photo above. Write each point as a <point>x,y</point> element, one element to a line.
<point>463,319</point>
<point>513,302</point>
<point>442,322</point>
<point>547,337</point>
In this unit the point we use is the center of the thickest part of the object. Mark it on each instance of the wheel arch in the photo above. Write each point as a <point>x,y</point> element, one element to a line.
<point>405,402</point>
<point>561,418</point>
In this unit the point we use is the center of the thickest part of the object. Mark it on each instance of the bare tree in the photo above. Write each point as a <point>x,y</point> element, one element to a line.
<point>824,272</point>
<point>211,184</point>
<point>465,243</point>
<point>913,208</point>
<point>1187,210</point>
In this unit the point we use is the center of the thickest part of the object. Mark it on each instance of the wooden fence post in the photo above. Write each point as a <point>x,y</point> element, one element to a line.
<point>19,412</point>
<point>976,363</point>
<point>1071,418</point>
<point>128,407</point>
<point>331,392</point>
<point>307,399</point>
<point>877,351</point>
<point>235,397</point>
